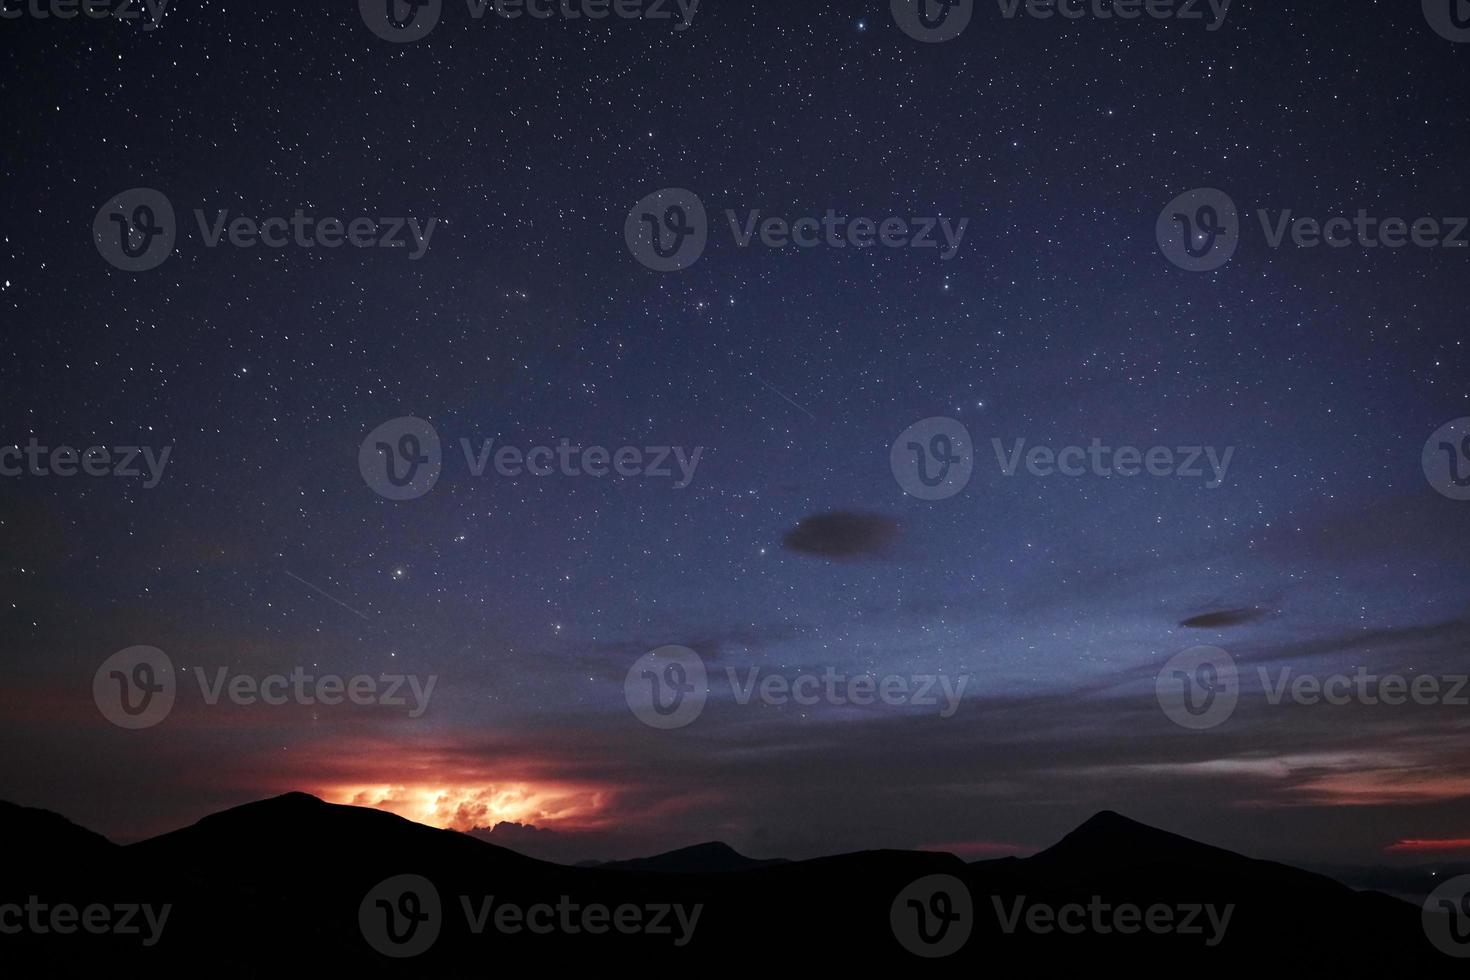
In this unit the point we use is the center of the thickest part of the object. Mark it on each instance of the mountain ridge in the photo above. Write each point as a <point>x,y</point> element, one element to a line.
<point>295,870</point>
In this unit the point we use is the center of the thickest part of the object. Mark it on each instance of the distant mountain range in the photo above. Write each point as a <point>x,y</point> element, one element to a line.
<point>292,886</point>
<point>707,858</point>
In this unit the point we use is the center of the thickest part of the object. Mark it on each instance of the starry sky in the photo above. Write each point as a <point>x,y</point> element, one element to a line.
<point>527,321</point>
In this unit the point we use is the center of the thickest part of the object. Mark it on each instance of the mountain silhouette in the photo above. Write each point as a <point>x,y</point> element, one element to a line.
<point>299,827</point>
<point>296,885</point>
<point>709,857</point>
<point>42,830</point>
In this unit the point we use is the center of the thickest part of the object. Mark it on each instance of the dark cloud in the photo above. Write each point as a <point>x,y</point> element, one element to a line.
<point>1222,617</point>
<point>843,535</point>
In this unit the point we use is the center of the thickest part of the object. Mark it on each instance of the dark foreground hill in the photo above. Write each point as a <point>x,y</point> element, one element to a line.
<point>698,859</point>
<point>293,886</point>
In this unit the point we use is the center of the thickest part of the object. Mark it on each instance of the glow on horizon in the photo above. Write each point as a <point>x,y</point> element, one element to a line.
<point>1415,846</point>
<point>481,805</point>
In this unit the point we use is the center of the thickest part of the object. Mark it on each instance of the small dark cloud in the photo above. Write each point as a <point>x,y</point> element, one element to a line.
<point>1221,618</point>
<point>844,535</point>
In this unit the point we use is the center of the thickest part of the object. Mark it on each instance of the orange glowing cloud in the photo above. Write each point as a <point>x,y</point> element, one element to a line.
<point>1384,787</point>
<point>447,784</point>
<point>465,807</point>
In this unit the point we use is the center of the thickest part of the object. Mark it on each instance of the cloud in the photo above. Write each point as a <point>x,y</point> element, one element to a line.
<point>842,535</point>
<point>1222,617</point>
<point>1450,846</point>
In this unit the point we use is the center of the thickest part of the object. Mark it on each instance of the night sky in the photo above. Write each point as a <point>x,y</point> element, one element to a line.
<point>793,548</point>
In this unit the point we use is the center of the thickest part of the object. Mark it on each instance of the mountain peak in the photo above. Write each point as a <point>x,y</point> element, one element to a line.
<point>1113,822</point>
<point>1109,828</point>
<point>712,848</point>
<point>295,798</point>
<point>1108,839</point>
<point>709,856</point>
